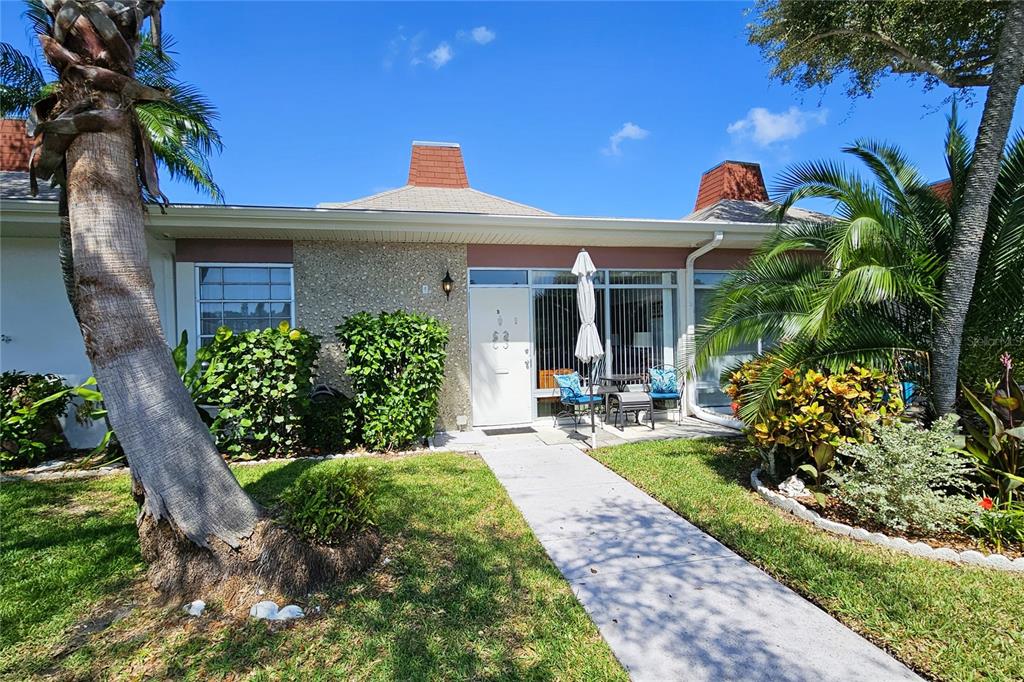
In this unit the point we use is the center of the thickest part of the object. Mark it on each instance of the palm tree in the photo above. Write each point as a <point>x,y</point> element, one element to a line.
<point>866,287</point>
<point>965,254</point>
<point>196,524</point>
<point>181,129</point>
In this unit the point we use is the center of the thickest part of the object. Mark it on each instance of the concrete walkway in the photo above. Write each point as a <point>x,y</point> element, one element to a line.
<point>671,601</point>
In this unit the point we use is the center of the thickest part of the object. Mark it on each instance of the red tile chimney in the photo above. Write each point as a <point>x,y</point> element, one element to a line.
<point>437,164</point>
<point>15,145</point>
<point>731,180</point>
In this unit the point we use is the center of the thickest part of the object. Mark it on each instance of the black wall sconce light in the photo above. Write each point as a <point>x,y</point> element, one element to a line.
<point>447,283</point>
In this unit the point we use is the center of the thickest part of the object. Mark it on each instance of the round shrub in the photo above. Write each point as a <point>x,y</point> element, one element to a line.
<point>396,362</point>
<point>909,478</point>
<point>260,382</point>
<point>32,405</point>
<point>332,500</point>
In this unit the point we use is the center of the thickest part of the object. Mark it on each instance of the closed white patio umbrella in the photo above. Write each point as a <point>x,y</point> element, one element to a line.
<point>588,342</point>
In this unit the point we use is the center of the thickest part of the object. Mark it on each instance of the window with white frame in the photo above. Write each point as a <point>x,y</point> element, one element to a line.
<point>242,297</point>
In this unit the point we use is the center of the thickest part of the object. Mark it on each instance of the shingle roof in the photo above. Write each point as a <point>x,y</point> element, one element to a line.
<point>15,185</point>
<point>438,199</point>
<point>738,211</point>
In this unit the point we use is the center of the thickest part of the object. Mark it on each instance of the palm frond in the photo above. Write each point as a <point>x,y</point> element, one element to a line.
<point>38,17</point>
<point>21,82</point>
<point>182,130</point>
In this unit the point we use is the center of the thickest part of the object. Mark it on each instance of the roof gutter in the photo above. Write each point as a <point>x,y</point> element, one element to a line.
<point>28,218</point>
<point>691,406</point>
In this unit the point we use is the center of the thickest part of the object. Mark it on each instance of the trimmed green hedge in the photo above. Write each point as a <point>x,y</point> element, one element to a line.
<point>260,380</point>
<point>396,362</point>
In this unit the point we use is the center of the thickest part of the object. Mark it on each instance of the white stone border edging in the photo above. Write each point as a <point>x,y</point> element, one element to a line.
<point>920,549</point>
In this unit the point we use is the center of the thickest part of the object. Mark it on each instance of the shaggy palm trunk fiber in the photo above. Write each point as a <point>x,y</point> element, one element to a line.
<point>196,524</point>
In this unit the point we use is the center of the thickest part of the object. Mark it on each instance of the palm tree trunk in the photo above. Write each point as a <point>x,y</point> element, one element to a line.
<point>170,452</point>
<point>958,284</point>
<point>64,251</point>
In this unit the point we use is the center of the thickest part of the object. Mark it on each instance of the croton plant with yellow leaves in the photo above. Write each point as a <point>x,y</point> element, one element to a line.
<point>815,412</point>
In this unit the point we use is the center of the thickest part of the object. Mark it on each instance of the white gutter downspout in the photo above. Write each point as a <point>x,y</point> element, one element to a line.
<point>691,406</point>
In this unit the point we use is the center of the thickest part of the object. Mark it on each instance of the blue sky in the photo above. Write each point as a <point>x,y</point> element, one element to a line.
<point>578,108</point>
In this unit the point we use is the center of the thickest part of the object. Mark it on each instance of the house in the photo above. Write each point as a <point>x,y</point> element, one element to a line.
<point>511,309</point>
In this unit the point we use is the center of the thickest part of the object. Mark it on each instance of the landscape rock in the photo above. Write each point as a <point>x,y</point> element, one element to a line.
<point>901,544</point>
<point>267,610</point>
<point>805,513</point>
<point>881,539</point>
<point>793,487</point>
<point>289,612</point>
<point>264,610</point>
<point>49,465</point>
<point>195,608</point>
<point>860,534</point>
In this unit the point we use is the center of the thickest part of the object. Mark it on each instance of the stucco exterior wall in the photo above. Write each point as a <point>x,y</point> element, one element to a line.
<point>337,279</point>
<point>40,334</point>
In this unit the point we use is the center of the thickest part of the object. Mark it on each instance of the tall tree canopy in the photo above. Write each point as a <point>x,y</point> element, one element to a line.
<point>959,43</point>
<point>872,293</point>
<point>810,43</point>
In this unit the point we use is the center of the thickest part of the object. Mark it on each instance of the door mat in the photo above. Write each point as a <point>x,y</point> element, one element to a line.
<point>510,431</point>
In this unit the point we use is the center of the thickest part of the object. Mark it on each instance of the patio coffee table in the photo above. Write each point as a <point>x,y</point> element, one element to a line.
<point>630,402</point>
<point>621,382</point>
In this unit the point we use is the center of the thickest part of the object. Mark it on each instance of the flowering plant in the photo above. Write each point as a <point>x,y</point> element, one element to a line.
<point>998,524</point>
<point>995,437</point>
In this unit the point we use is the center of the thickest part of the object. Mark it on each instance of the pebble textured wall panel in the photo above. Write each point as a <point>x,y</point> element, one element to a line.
<point>336,279</point>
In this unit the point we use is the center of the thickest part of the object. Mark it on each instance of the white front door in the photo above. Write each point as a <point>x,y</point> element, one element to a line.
<point>499,329</point>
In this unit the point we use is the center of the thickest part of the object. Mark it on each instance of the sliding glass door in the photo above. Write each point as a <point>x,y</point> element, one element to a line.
<point>635,317</point>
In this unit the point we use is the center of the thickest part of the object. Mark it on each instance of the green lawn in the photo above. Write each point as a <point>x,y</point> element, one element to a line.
<point>954,623</point>
<point>468,592</point>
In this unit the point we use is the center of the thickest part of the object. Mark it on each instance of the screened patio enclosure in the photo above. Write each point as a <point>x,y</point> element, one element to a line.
<point>637,318</point>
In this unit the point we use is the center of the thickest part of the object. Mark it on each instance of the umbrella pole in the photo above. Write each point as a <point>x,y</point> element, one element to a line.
<point>593,430</point>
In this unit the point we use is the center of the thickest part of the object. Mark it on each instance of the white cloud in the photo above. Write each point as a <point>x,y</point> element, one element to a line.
<point>766,128</point>
<point>440,55</point>
<point>402,44</point>
<point>482,35</point>
<point>628,131</point>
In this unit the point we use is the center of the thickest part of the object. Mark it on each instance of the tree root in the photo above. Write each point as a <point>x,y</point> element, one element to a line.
<point>272,561</point>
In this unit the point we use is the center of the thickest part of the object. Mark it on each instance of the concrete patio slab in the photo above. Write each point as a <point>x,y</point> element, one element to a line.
<point>671,601</point>
<point>546,433</point>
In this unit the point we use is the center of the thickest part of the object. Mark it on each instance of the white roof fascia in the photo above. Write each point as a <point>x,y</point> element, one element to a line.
<point>26,218</point>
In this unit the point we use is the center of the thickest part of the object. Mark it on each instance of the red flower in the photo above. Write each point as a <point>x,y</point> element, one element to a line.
<point>735,407</point>
<point>986,503</point>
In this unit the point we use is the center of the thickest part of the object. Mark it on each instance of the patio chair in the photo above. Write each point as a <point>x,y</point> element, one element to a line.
<point>663,384</point>
<point>571,395</point>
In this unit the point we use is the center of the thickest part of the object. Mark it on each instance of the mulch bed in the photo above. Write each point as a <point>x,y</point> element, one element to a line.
<point>836,510</point>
